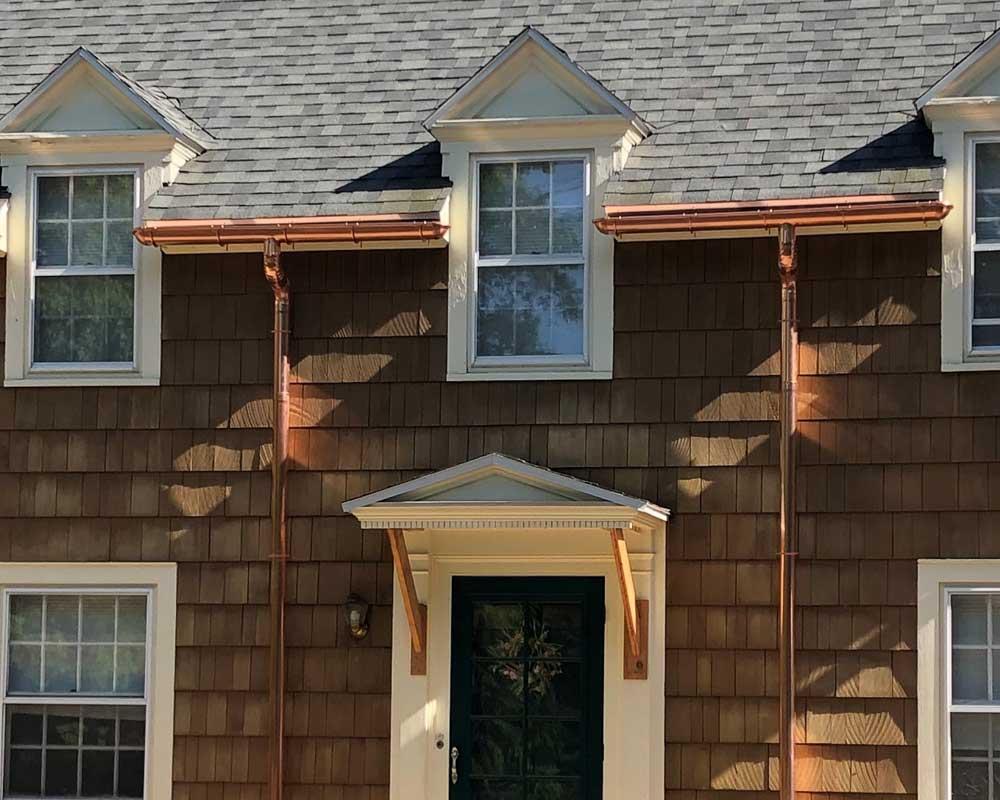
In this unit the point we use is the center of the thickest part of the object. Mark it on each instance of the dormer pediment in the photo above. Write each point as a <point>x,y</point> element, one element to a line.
<point>975,80</point>
<point>496,491</point>
<point>84,97</point>
<point>529,81</point>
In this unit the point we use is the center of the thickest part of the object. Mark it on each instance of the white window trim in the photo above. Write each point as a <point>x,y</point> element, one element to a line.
<point>605,152</point>
<point>937,579</point>
<point>159,582</point>
<point>633,710</point>
<point>20,173</point>
<point>486,363</point>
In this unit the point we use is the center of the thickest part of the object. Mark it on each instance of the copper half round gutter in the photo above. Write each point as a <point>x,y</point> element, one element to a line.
<point>788,521</point>
<point>291,230</point>
<point>814,212</point>
<point>278,281</point>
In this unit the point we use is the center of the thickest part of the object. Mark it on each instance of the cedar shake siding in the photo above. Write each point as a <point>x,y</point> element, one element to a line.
<point>897,461</point>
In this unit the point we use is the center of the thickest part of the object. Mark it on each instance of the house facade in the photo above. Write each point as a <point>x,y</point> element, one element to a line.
<point>465,402</point>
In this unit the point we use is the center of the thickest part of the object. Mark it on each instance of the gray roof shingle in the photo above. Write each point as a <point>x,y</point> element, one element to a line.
<point>316,107</point>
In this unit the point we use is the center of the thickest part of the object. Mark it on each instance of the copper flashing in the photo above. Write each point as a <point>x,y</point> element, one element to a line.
<point>291,230</point>
<point>769,215</point>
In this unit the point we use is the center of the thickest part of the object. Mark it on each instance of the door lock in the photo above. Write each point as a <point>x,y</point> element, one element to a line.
<point>454,766</point>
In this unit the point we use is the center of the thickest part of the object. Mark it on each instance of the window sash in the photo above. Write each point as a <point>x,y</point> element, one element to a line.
<point>70,271</point>
<point>77,698</point>
<point>581,259</point>
<point>8,700</point>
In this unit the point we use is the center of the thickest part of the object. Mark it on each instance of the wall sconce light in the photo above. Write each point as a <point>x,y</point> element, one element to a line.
<point>357,617</point>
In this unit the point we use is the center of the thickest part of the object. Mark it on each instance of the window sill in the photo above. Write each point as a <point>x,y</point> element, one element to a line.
<point>991,364</point>
<point>525,373</point>
<point>67,379</point>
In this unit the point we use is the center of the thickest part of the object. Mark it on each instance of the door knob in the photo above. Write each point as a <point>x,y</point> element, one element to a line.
<point>454,766</point>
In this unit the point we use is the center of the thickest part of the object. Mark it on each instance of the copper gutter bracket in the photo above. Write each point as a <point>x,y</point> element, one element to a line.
<point>278,280</point>
<point>788,270</point>
<point>636,622</point>
<point>416,612</point>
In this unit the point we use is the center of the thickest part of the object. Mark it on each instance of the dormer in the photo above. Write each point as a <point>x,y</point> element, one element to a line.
<point>82,155</point>
<point>530,142</point>
<point>963,110</point>
<point>87,104</point>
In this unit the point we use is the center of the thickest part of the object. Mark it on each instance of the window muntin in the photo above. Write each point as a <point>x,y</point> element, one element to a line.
<point>531,260</point>
<point>75,693</point>
<point>84,267</point>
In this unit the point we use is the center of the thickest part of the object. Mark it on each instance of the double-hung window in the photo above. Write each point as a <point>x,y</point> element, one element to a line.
<point>531,261</point>
<point>84,269</point>
<point>76,692</point>
<point>974,698</point>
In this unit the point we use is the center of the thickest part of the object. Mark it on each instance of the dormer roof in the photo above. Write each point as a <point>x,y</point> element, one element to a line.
<point>85,95</point>
<point>532,79</point>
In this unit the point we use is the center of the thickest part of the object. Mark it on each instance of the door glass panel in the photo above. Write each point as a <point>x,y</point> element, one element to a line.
<point>529,690</point>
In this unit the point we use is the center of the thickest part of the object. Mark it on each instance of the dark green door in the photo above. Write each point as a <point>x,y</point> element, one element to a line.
<point>527,688</point>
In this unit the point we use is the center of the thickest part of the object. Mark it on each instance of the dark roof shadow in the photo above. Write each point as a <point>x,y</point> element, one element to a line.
<point>910,145</point>
<point>419,169</point>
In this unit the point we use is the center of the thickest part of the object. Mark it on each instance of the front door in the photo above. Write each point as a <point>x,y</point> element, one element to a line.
<point>527,689</point>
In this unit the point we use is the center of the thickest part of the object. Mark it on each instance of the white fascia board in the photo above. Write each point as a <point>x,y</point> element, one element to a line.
<point>530,35</point>
<point>506,516</point>
<point>497,462</point>
<point>957,74</point>
<point>82,55</point>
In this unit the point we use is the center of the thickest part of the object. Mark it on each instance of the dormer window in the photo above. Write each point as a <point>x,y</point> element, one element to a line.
<point>531,264</point>
<point>530,143</point>
<point>985,247</point>
<point>83,269</point>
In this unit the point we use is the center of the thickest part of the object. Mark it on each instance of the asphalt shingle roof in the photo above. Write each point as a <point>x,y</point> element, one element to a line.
<point>315,106</point>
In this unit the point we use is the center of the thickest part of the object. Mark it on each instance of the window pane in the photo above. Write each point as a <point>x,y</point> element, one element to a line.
<point>26,618</point>
<point>130,676</point>
<point>968,619</point>
<point>532,231</point>
<point>60,772</point>
<point>98,619</point>
<point>98,773</point>
<point>120,244</point>
<point>555,688</point>
<point>24,774</point>
<point>62,618</point>
<point>132,619</point>
<point>52,245</point>
<point>567,183</point>
<point>987,285</point>
<point>988,192</point>
<point>60,668</point>
<point>530,311</point>
<point>130,773</point>
<point>88,197</point>
<point>986,335</point>
<point>99,727</point>
<point>75,765</point>
<point>496,185</point>
<point>84,318</point>
<point>121,197</point>
<point>532,184</point>
<point>495,233</point>
<point>53,198</point>
<point>498,688</point>
<point>88,244</point>
<point>968,679</point>
<point>62,728</point>
<point>554,748</point>
<point>131,727</point>
<point>24,673</point>
<point>567,230</point>
<point>97,668</point>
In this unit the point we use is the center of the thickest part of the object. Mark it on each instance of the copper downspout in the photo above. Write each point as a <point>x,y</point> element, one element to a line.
<point>278,280</point>
<point>788,267</point>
